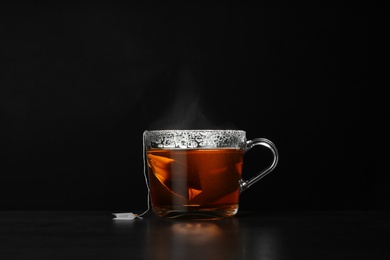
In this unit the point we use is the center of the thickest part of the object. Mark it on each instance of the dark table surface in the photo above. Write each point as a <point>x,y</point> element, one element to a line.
<point>249,235</point>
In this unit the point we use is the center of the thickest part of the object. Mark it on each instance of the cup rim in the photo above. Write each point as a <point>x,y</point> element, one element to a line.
<point>194,138</point>
<point>196,130</point>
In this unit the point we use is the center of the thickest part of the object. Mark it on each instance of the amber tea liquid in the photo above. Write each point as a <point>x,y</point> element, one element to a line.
<point>197,183</point>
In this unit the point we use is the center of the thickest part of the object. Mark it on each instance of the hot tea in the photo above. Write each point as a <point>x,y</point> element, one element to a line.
<point>198,173</point>
<point>195,181</point>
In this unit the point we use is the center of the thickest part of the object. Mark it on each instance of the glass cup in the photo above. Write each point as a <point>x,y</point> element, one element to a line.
<point>198,173</point>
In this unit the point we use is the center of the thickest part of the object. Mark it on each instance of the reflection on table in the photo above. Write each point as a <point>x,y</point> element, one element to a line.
<point>262,235</point>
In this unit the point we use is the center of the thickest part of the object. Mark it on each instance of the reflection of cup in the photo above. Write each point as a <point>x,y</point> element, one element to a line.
<point>197,173</point>
<point>191,239</point>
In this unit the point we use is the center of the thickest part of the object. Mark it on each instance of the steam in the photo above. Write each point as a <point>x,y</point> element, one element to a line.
<point>186,112</point>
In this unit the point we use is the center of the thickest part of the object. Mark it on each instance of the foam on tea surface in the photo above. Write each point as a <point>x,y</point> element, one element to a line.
<point>195,139</point>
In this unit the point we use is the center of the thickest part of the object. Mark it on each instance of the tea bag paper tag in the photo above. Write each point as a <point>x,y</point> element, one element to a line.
<point>125,216</point>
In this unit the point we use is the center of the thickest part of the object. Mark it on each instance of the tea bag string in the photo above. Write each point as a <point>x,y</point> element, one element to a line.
<point>130,215</point>
<point>145,175</point>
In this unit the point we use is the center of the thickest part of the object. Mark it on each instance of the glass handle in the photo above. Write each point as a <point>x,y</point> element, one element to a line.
<point>267,143</point>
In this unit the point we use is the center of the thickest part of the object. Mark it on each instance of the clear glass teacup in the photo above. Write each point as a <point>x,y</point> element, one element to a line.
<point>198,173</point>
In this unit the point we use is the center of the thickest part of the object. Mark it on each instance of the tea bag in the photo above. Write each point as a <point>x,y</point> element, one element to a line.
<point>178,178</point>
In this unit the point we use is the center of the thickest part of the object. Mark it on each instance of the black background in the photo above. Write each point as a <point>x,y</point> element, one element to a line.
<point>81,82</point>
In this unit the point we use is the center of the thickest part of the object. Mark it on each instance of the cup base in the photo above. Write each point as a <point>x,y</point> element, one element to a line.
<point>196,212</point>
